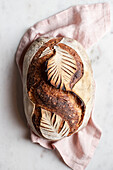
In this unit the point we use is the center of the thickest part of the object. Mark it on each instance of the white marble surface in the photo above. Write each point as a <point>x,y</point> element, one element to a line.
<point>16,150</point>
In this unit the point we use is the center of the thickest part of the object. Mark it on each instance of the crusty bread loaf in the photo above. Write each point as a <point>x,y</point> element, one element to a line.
<point>58,87</point>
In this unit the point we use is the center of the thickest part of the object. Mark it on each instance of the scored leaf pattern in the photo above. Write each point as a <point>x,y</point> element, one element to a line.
<point>50,126</point>
<point>60,68</point>
<point>64,68</point>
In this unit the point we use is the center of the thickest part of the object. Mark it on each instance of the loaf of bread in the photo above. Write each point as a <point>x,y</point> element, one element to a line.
<point>58,87</point>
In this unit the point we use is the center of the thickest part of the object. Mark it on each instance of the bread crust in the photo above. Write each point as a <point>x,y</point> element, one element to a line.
<point>58,107</point>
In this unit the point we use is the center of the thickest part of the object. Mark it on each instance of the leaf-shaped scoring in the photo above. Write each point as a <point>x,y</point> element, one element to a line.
<point>60,68</point>
<point>50,126</point>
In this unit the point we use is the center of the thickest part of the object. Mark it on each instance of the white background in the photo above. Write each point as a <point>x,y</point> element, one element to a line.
<point>16,150</point>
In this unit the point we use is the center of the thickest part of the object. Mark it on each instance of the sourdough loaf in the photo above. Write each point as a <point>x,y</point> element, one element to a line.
<point>58,87</point>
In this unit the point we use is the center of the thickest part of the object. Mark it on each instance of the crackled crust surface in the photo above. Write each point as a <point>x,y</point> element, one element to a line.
<point>58,107</point>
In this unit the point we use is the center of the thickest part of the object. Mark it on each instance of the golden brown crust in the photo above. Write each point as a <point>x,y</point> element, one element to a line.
<point>64,103</point>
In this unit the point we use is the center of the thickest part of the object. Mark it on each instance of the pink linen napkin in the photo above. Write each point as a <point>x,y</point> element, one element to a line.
<point>87,24</point>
